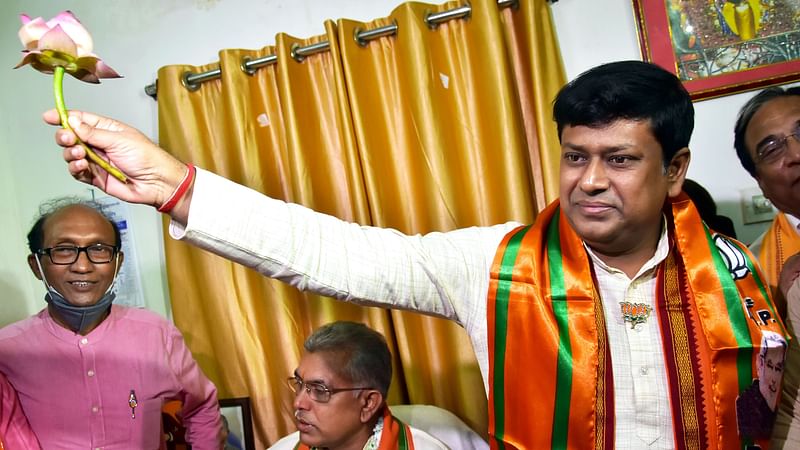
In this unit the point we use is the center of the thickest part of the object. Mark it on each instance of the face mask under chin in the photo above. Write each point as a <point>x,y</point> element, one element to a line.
<point>78,318</point>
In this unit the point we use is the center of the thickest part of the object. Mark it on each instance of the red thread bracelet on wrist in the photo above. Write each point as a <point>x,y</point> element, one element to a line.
<point>179,191</point>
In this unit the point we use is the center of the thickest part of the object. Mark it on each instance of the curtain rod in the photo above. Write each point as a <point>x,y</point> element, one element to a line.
<point>192,81</point>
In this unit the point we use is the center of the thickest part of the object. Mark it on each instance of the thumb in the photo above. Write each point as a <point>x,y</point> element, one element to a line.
<point>98,138</point>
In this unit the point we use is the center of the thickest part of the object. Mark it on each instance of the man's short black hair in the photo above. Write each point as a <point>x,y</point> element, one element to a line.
<point>629,90</point>
<point>746,115</point>
<point>50,207</point>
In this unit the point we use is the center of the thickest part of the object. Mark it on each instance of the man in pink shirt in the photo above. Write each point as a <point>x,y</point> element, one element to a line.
<point>15,433</point>
<point>90,374</point>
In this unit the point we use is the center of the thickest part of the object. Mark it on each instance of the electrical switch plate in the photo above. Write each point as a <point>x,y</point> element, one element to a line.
<point>755,207</point>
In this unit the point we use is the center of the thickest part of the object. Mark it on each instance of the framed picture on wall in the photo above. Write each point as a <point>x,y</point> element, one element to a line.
<point>721,47</point>
<point>238,423</point>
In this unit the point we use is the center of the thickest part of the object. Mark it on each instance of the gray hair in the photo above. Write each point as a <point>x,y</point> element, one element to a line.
<point>363,352</point>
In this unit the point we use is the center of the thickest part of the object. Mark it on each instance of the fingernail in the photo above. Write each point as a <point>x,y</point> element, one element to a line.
<point>74,122</point>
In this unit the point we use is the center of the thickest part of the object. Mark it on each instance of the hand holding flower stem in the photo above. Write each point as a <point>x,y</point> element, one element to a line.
<point>62,45</point>
<point>58,91</point>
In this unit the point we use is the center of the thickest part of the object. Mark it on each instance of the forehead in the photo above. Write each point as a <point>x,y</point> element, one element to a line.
<point>77,222</point>
<point>774,117</point>
<point>318,366</point>
<point>620,133</point>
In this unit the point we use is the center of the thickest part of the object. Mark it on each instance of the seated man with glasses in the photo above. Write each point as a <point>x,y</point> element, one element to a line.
<point>91,374</point>
<point>340,391</point>
<point>767,141</point>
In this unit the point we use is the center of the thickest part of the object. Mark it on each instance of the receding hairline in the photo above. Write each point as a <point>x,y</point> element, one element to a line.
<point>66,208</point>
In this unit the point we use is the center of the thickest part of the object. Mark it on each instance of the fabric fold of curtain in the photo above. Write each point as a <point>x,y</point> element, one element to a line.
<point>433,129</point>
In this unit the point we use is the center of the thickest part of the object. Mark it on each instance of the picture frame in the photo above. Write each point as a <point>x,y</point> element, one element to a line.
<point>721,47</point>
<point>236,412</point>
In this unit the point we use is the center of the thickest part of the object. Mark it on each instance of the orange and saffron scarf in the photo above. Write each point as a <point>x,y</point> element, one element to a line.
<point>396,435</point>
<point>780,242</point>
<point>550,377</point>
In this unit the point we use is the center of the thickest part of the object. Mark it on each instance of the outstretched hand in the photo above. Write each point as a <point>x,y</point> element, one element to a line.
<point>153,173</point>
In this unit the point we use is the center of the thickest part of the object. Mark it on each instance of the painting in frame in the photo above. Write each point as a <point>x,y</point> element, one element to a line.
<point>721,47</point>
<point>236,414</point>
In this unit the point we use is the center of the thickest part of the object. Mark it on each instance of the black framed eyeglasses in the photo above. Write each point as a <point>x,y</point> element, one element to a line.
<point>68,254</point>
<point>317,391</point>
<point>773,150</point>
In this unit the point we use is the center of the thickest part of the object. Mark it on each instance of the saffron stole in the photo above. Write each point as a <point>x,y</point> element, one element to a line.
<point>780,242</point>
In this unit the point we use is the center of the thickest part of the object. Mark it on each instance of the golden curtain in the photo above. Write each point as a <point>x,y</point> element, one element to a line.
<point>435,128</point>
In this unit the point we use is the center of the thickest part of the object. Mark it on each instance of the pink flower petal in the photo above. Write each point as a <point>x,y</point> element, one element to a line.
<point>85,75</point>
<point>104,71</point>
<point>27,59</point>
<point>31,31</point>
<point>76,31</point>
<point>34,58</point>
<point>56,39</point>
<point>24,18</point>
<point>93,65</point>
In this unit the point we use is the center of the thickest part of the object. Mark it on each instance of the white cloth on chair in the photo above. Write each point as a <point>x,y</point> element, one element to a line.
<point>441,424</point>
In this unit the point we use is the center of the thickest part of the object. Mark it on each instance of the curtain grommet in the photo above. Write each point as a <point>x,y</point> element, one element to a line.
<point>357,37</point>
<point>187,83</point>
<point>428,22</point>
<point>245,66</point>
<point>295,55</point>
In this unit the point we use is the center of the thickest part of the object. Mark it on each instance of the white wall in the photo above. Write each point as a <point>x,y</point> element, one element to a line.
<point>138,37</point>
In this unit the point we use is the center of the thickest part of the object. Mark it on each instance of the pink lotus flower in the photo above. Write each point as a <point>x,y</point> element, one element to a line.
<point>61,42</point>
<point>62,45</point>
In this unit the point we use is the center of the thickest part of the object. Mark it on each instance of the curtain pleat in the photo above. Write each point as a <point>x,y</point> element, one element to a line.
<point>433,129</point>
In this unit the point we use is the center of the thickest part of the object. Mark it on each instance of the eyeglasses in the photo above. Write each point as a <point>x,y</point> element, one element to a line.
<point>772,150</point>
<point>68,254</point>
<point>317,391</point>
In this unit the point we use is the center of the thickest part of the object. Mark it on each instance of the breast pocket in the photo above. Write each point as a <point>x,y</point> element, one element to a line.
<point>145,429</point>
